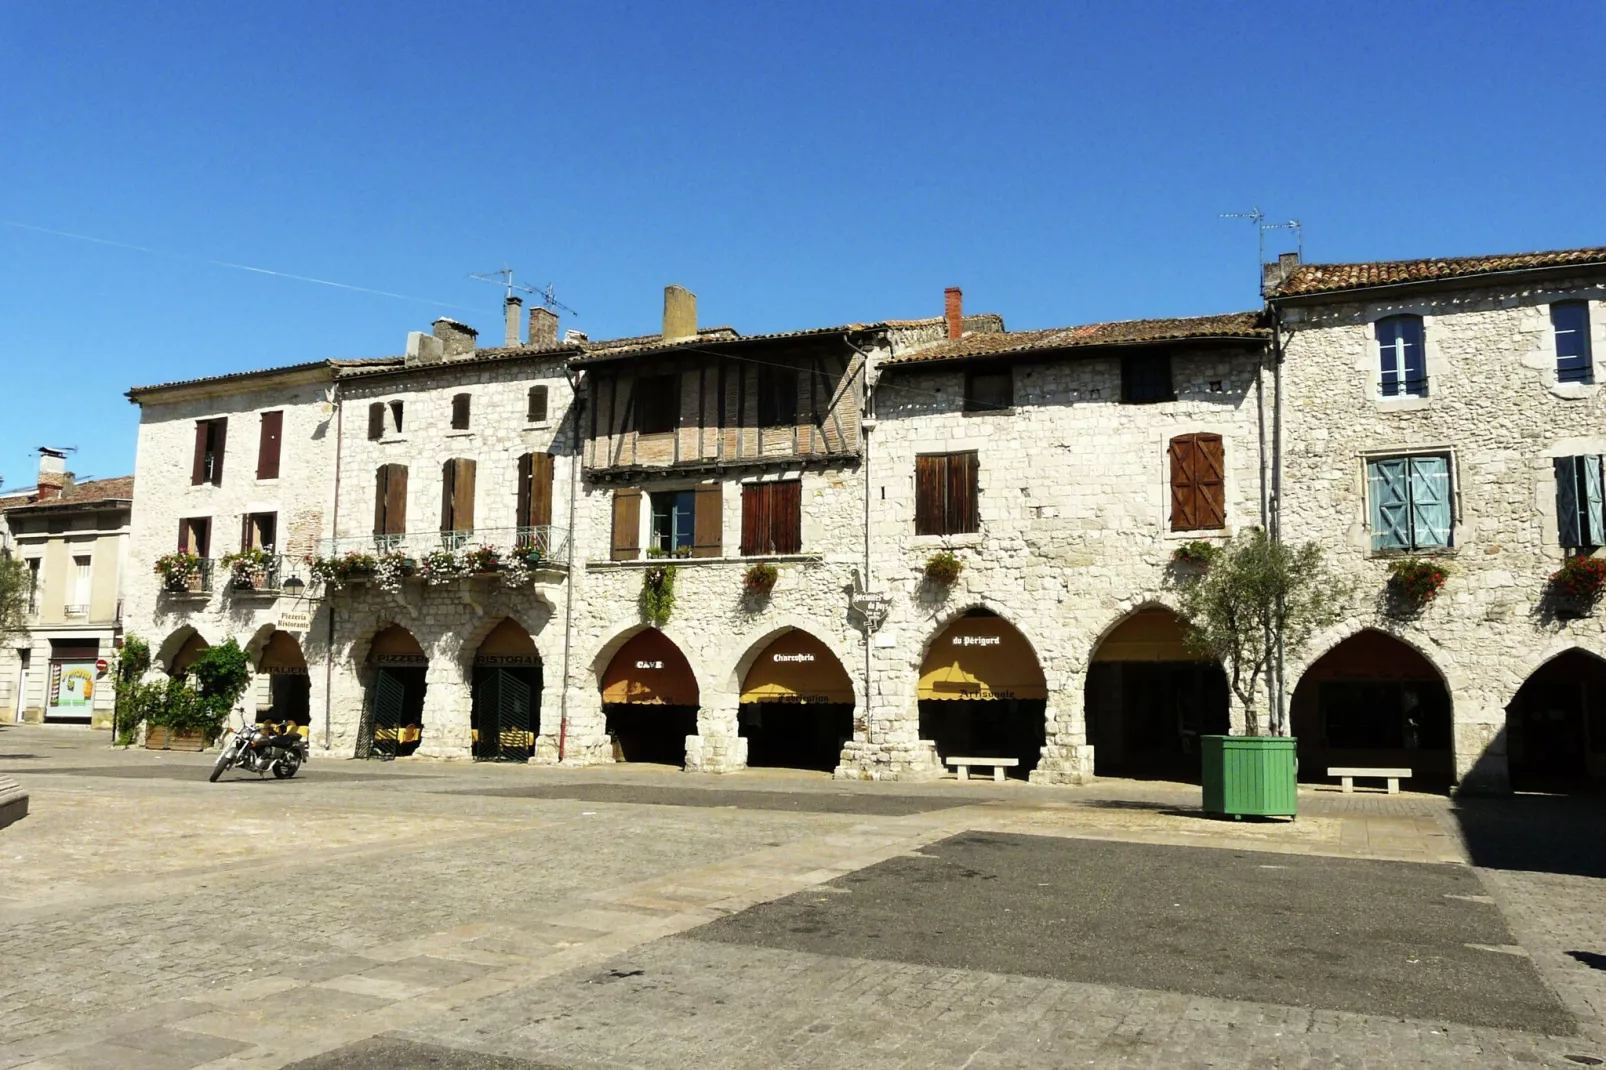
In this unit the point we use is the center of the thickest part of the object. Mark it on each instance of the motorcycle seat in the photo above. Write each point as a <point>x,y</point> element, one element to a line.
<point>290,740</point>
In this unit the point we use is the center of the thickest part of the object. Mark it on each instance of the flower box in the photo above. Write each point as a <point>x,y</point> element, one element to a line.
<point>160,737</point>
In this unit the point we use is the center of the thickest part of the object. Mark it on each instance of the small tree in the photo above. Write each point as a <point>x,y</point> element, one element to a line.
<point>16,585</point>
<point>1253,591</point>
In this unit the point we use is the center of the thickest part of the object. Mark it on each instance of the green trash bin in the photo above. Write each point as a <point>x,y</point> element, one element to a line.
<point>1250,775</point>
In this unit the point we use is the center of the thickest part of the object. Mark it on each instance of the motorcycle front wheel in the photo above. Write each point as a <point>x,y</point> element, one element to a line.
<point>286,767</point>
<point>224,760</point>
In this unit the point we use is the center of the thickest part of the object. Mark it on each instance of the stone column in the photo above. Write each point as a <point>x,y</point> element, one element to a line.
<point>718,746</point>
<point>1067,757</point>
<point>448,706</point>
<point>1479,743</point>
<point>585,738</point>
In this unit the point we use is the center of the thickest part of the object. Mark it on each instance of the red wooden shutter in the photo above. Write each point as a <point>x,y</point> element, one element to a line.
<point>626,524</point>
<point>708,521</point>
<point>376,420</point>
<point>1198,490</point>
<point>960,511</point>
<point>396,500</point>
<point>1211,481</point>
<point>755,518</point>
<point>786,512</point>
<point>931,472</point>
<point>268,445</point>
<point>198,465</point>
<point>218,442</point>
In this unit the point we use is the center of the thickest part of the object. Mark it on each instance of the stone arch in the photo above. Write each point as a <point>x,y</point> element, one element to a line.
<point>504,669</point>
<point>181,640</point>
<point>796,709</point>
<point>1538,659</point>
<point>492,620</point>
<point>982,607</point>
<point>648,709</point>
<point>394,669</point>
<point>623,633</point>
<point>1323,643</point>
<point>754,643</point>
<point>1556,723</point>
<point>973,701</point>
<point>259,639</point>
<point>1124,613</point>
<point>283,682</point>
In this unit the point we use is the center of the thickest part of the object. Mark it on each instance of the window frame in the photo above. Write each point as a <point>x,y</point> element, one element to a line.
<point>974,405</point>
<point>1452,499</point>
<point>1132,364</point>
<point>1400,370</point>
<point>674,500</point>
<point>211,445</point>
<point>398,409</point>
<point>661,402</point>
<point>939,519</point>
<point>1585,374</point>
<point>462,411</point>
<point>532,415</point>
<point>755,543</point>
<point>1198,443</point>
<point>1588,511</point>
<point>777,396</point>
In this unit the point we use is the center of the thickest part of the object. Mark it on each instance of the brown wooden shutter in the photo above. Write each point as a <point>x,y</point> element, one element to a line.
<point>448,499</point>
<point>390,500</point>
<point>381,477</point>
<point>376,420</point>
<point>268,445</point>
<point>1198,491</point>
<point>539,512</point>
<point>183,535</point>
<point>460,412</point>
<point>537,411</point>
<point>219,441</point>
<point>203,536</point>
<point>960,507</point>
<point>708,520</point>
<point>786,511</point>
<point>245,532</point>
<point>521,512</point>
<point>198,465</point>
<point>755,517</point>
<point>463,492</point>
<point>626,524</point>
<point>930,476</point>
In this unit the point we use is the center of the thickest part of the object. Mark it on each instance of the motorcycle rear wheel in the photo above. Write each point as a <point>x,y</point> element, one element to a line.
<point>285,768</point>
<point>224,760</point>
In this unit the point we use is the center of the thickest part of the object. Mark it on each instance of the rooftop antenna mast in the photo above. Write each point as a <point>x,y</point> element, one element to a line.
<point>504,278</point>
<point>1258,218</point>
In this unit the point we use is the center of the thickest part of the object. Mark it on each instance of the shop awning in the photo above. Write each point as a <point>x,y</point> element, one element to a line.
<point>651,670</point>
<point>395,646</point>
<point>282,654</point>
<point>797,667</point>
<point>981,658</point>
<point>1147,635</point>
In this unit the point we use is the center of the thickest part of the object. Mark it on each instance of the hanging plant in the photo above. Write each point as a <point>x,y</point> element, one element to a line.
<point>339,571</point>
<point>1196,553</point>
<point>1580,581</point>
<point>441,566</point>
<point>658,594</point>
<point>390,568</point>
<point>246,566</point>
<point>177,569</point>
<point>482,559</point>
<point>759,579</point>
<point>943,568</point>
<point>1415,581</point>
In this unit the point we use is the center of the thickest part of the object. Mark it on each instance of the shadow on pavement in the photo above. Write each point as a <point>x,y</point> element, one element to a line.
<point>1540,833</point>
<point>1589,958</point>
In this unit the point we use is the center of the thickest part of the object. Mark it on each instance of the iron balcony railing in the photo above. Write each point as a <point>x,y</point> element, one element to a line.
<point>265,578</point>
<point>550,543</point>
<point>71,612</point>
<point>1404,388</point>
<point>197,582</point>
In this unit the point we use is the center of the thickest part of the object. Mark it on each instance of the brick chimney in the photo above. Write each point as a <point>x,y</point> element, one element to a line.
<point>457,339</point>
<point>513,310</point>
<point>53,475</point>
<point>953,310</point>
<point>543,327</point>
<point>680,314</point>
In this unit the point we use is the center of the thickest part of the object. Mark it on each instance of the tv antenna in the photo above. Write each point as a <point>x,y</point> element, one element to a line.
<point>504,278</point>
<point>1258,218</point>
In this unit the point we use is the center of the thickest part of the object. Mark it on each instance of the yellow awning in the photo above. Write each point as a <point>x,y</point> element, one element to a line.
<point>281,654</point>
<point>1147,635</point>
<point>650,669</point>
<point>797,667</point>
<point>981,658</point>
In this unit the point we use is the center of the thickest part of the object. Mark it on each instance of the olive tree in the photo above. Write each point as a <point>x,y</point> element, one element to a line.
<point>1251,597</point>
<point>16,586</point>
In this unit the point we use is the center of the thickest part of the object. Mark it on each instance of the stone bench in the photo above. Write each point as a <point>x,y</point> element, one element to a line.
<point>962,766</point>
<point>13,802</point>
<point>1347,775</point>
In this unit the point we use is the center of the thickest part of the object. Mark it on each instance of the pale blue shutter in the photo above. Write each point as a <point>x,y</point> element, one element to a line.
<point>1391,511</point>
<point>1567,525</point>
<point>1430,502</point>
<point>1594,521</point>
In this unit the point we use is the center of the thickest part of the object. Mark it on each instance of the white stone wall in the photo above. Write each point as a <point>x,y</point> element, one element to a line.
<point>1075,514</point>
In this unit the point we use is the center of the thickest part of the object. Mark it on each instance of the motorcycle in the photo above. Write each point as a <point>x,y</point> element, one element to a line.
<point>261,748</point>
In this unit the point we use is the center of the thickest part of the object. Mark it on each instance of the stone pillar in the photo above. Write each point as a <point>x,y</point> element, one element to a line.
<point>1479,743</point>
<point>718,746</point>
<point>448,711</point>
<point>1067,757</point>
<point>584,740</point>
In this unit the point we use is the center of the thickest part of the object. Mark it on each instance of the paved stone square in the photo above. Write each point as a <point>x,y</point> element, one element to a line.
<point>423,913</point>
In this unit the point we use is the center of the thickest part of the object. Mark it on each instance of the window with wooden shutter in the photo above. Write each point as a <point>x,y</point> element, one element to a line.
<point>1198,489</point>
<point>1402,363</point>
<point>1579,520</point>
<point>772,518</point>
<point>390,500</point>
<point>535,490</point>
<point>457,495</point>
<point>708,521</point>
<point>537,405</point>
<point>268,445</point>
<point>211,437</point>
<point>989,391</point>
<point>946,493</point>
<point>259,531</point>
<point>626,524</point>
<point>376,421</point>
<point>1411,505</point>
<point>460,404</point>
<point>195,535</point>
<point>396,410</point>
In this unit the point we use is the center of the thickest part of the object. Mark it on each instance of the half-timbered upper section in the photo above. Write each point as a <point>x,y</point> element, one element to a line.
<point>693,400</point>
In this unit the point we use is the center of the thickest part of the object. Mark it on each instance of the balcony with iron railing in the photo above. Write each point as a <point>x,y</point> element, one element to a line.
<point>75,612</point>
<point>262,576</point>
<point>194,580</point>
<point>543,547</point>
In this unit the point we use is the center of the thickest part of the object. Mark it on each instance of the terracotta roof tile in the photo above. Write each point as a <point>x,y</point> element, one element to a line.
<point>1236,325</point>
<point>117,488</point>
<point>1333,278</point>
<point>617,349</point>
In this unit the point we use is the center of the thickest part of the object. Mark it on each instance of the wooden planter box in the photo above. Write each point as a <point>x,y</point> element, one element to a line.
<point>1250,775</point>
<point>159,737</point>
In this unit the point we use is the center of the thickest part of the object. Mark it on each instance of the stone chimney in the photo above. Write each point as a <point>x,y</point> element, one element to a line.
<point>1274,275</point>
<point>423,349</point>
<point>53,475</point>
<point>953,310</point>
<point>457,339</point>
<point>680,314</point>
<point>513,310</point>
<point>543,327</point>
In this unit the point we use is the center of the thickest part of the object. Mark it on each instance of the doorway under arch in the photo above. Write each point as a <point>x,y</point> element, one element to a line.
<point>1375,701</point>
<point>186,654</point>
<point>796,705</point>
<point>1149,698</point>
<point>982,693</point>
<point>1556,726</point>
<point>506,690</point>
<point>650,700</point>
<point>393,720</point>
<point>289,685</point>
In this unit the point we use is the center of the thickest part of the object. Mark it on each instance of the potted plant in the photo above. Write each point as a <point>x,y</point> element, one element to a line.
<point>350,567</point>
<point>658,594</point>
<point>441,566</point>
<point>759,579</point>
<point>248,569</point>
<point>943,568</point>
<point>1256,591</point>
<point>1414,582</point>
<point>180,570</point>
<point>481,560</point>
<point>1195,553</point>
<point>1576,587</point>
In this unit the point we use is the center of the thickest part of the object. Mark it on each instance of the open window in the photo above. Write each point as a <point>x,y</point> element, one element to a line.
<point>1579,519</point>
<point>777,396</point>
<point>210,438</point>
<point>1401,362</point>
<point>992,390</point>
<point>657,400</point>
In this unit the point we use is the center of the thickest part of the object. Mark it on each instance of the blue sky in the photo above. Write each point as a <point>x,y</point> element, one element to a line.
<point>793,164</point>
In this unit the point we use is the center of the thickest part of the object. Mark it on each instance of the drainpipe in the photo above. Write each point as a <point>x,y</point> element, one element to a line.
<point>866,410</point>
<point>1276,528</point>
<point>576,454</point>
<point>334,528</point>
